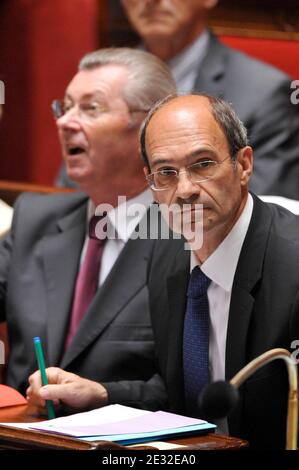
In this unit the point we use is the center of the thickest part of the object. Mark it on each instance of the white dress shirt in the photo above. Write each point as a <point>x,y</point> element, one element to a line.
<point>123,224</point>
<point>221,267</point>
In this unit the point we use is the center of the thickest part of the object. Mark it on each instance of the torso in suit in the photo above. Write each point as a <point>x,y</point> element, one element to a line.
<point>263,314</point>
<point>261,97</point>
<point>38,267</point>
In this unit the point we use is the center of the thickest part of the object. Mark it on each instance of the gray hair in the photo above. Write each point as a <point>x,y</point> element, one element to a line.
<point>232,127</point>
<point>149,79</point>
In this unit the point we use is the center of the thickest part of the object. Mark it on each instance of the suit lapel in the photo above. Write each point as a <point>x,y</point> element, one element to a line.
<point>177,287</point>
<point>212,69</point>
<point>126,278</point>
<point>60,255</point>
<point>248,274</point>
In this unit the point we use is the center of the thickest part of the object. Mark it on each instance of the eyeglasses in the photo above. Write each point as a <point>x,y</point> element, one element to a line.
<point>167,178</point>
<point>88,110</point>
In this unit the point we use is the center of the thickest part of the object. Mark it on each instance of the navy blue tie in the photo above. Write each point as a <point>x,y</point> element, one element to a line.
<point>196,339</point>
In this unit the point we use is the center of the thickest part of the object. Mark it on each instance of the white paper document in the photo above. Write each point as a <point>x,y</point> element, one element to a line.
<point>121,424</point>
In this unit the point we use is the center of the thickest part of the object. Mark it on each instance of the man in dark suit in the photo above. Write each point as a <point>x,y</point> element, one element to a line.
<point>175,31</point>
<point>41,260</point>
<point>198,160</point>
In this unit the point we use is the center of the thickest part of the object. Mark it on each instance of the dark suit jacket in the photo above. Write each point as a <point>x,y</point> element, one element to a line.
<point>260,94</point>
<point>38,267</point>
<point>264,314</point>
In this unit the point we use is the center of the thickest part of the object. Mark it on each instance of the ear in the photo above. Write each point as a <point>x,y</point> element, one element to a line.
<point>146,171</point>
<point>245,164</point>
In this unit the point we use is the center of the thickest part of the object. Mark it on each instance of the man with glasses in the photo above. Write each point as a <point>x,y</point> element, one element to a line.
<point>87,300</point>
<point>237,294</point>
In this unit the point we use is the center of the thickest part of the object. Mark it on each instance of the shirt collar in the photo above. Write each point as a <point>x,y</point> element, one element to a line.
<point>189,59</point>
<point>184,66</point>
<point>127,215</point>
<point>221,265</point>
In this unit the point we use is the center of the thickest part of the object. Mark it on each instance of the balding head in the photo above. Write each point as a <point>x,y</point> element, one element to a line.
<point>196,153</point>
<point>222,112</point>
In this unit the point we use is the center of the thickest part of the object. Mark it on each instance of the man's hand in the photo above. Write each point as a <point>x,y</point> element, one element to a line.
<point>66,388</point>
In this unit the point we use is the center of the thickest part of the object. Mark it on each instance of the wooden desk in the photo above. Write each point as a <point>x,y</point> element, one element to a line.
<point>11,438</point>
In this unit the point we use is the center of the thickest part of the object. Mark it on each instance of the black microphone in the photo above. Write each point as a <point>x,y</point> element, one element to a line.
<point>218,399</point>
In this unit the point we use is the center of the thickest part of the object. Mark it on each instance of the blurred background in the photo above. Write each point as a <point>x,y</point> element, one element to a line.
<point>41,42</point>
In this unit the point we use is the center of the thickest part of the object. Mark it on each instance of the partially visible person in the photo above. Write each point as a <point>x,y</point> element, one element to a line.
<point>176,31</point>
<point>88,301</point>
<point>236,294</point>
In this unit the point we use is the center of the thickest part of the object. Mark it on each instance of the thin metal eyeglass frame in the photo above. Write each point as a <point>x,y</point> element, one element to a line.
<point>57,111</point>
<point>178,172</point>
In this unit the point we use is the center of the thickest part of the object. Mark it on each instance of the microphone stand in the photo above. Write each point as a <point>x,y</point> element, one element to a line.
<point>292,416</point>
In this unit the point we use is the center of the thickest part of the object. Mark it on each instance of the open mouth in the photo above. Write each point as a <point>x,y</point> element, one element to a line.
<point>75,150</point>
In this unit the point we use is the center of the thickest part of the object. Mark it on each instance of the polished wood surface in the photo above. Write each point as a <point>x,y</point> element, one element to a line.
<point>23,439</point>
<point>12,438</point>
<point>10,190</point>
<point>211,441</point>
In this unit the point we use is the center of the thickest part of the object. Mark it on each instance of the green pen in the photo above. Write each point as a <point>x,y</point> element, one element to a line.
<point>42,368</point>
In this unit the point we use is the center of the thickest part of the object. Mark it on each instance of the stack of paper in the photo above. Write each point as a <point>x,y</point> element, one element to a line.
<point>122,424</point>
